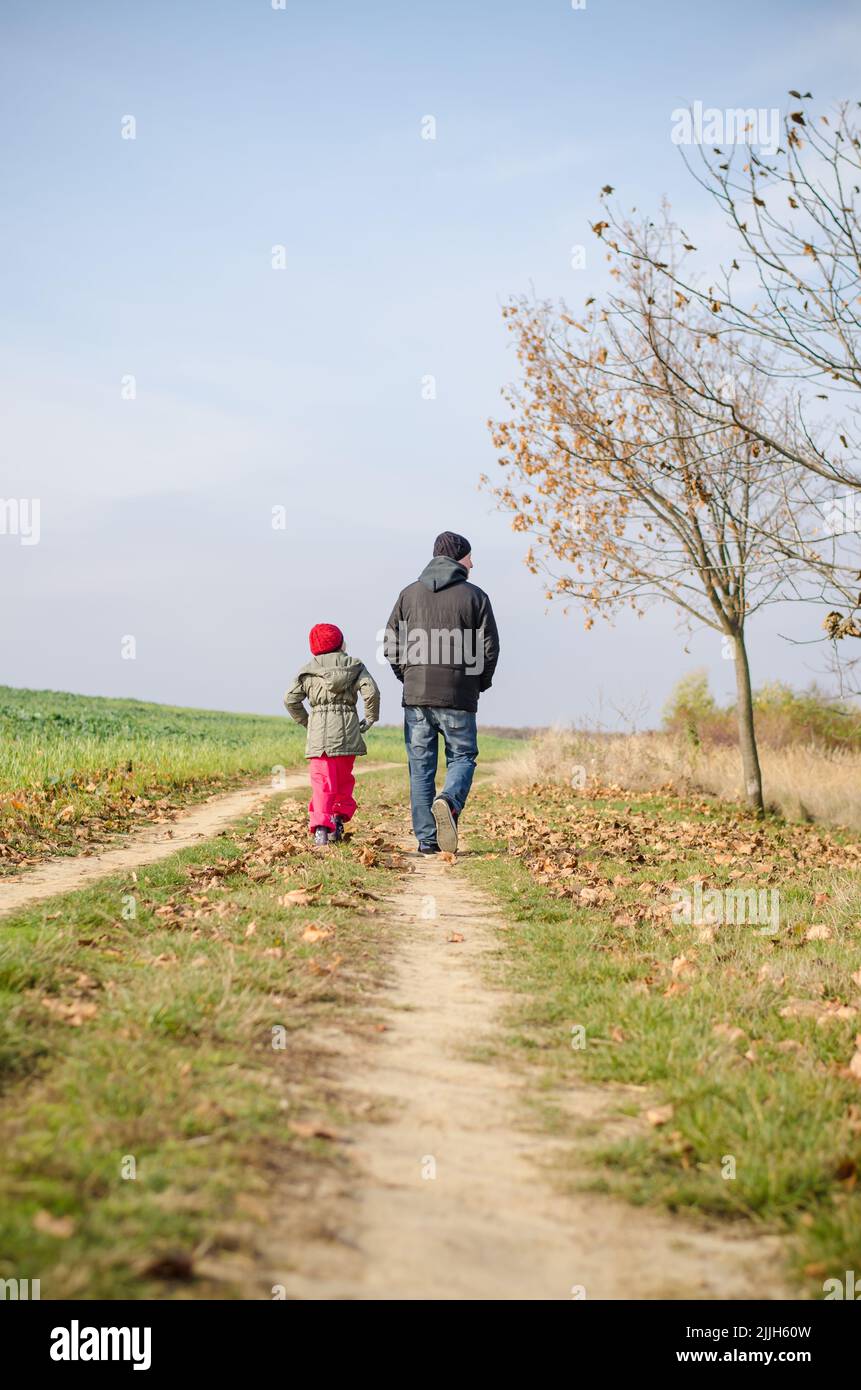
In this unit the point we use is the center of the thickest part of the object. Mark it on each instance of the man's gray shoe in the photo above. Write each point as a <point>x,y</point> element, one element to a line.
<point>428,849</point>
<point>446,825</point>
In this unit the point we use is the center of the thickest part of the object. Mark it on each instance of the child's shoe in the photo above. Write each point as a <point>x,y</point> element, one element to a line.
<point>321,835</point>
<point>338,833</point>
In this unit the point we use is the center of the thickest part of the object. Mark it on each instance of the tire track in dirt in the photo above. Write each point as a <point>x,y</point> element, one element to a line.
<point>489,1224</point>
<point>148,845</point>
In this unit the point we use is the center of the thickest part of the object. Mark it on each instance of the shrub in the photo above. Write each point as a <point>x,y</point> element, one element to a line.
<point>783,716</point>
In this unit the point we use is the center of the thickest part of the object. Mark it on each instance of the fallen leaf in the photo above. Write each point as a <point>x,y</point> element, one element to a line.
<point>329,968</point>
<point>314,932</point>
<point>61,1227</point>
<point>297,897</point>
<point>836,1013</point>
<point>660,1115</point>
<point>683,965</point>
<point>801,1008</point>
<point>71,1011</point>
<point>818,932</point>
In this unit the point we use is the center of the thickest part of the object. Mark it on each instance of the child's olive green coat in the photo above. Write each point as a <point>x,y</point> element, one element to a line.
<point>332,684</point>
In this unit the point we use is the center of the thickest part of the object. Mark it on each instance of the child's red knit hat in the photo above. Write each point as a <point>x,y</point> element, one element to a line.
<point>325,637</point>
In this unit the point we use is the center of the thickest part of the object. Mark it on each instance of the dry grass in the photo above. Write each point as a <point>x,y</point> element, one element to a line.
<point>802,782</point>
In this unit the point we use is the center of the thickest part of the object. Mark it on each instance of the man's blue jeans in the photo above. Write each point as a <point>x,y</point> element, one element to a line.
<point>422,728</point>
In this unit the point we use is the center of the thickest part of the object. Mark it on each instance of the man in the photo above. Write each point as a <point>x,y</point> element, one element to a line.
<point>442,643</point>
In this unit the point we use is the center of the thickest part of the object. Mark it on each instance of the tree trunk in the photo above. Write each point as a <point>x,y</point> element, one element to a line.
<point>746,734</point>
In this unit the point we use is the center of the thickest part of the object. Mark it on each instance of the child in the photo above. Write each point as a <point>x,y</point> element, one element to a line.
<point>331,684</point>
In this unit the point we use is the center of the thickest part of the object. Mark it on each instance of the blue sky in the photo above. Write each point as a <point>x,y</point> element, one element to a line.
<point>302,387</point>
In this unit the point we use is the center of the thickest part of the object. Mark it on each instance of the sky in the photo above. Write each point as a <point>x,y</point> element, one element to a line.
<point>169,391</point>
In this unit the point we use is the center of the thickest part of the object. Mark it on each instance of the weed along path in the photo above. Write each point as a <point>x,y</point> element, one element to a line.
<point>148,845</point>
<point>448,1193</point>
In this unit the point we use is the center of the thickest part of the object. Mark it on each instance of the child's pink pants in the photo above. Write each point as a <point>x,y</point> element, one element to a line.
<point>332,783</point>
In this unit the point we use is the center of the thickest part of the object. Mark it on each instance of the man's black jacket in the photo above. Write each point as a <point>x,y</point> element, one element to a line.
<point>441,639</point>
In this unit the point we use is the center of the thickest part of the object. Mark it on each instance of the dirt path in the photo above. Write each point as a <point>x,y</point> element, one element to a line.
<point>445,1199</point>
<point>489,1224</point>
<point>146,846</point>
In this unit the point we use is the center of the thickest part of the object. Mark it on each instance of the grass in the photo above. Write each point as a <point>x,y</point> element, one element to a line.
<point>77,769</point>
<point>801,782</point>
<point>742,1041</point>
<point>731,1056</point>
<point>152,1043</point>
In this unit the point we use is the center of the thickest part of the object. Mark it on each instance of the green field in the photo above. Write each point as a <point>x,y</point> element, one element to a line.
<point>50,738</point>
<point>75,769</point>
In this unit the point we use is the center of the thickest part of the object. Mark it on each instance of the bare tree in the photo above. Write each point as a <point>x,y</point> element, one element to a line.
<point>797,227</point>
<point>628,494</point>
